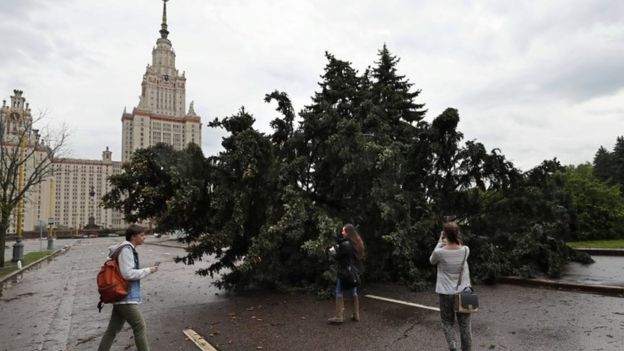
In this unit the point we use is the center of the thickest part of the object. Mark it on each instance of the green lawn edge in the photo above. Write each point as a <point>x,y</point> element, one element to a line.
<point>10,267</point>
<point>598,244</point>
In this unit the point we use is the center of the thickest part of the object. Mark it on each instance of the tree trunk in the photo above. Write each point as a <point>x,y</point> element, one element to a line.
<point>5,218</point>
<point>4,226</point>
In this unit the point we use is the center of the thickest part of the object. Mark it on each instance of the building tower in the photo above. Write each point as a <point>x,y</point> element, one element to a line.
<point>160,116</point>
<point>17,137</point>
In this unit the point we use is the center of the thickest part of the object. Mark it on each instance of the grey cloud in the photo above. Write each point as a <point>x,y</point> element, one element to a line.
<point>24,46</point>
<point>526,21</point>
<point>589,79</point>
<point>575,79</point>
<point>22,9</point>
<point>38,44</point>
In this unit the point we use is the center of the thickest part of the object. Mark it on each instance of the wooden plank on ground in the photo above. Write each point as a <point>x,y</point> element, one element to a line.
<point>198,340</point>
<point>411,304</point>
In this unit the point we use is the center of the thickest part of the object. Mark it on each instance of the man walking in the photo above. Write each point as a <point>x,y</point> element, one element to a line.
<point>127,309</point>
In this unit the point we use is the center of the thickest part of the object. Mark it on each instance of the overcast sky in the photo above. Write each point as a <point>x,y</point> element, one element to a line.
<point>537,79</point>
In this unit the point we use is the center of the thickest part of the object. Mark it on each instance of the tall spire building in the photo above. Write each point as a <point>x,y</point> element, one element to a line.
<point>71,197</point>
<point>161,115</point>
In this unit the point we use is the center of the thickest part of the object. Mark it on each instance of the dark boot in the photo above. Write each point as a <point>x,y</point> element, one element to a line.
<point>338,318</point>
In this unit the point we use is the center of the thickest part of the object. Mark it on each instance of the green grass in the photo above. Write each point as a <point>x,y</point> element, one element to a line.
<point>598,244</point>
<point>10,267</point>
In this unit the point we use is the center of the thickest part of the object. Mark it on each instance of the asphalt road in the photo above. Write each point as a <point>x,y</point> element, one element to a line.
<point>53,307</point>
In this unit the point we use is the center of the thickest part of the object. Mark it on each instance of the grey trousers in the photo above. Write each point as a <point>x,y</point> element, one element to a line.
<point>125,313</point>
<point>448,314</point>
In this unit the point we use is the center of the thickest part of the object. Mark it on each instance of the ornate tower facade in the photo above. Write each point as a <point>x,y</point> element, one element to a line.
<point>17,137</point>
<point>161,115</point>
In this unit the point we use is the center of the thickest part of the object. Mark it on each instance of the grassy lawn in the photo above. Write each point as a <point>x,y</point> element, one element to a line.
<point>598,244</point>
<point>29,258</point>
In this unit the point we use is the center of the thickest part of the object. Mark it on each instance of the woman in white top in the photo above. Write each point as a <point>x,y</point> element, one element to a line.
<point>448,255</point>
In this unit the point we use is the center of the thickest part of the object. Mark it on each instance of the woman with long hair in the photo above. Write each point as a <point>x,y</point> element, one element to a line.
<point>451,257</point>
<point>349,254</point>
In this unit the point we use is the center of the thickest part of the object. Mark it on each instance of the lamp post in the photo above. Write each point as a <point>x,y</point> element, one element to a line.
<point>51,219</point>
<point>91,209</point>
<point>41,224</point>
<point>50,238</point>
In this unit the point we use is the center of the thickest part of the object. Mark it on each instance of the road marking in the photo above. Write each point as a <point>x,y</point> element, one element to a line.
<point>402,302</point>
<point>198,340</point>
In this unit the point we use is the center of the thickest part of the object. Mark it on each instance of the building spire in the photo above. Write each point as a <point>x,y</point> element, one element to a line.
<point>163,27</point>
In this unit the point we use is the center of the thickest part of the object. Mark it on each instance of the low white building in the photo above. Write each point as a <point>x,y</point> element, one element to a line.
<point>79,186</point>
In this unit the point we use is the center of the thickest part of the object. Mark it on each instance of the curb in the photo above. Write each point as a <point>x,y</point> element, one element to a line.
<point>602,252</point>
<point>546,283</point>
<point>31,265</point>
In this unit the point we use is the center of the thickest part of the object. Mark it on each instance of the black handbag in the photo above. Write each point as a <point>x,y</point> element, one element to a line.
<point>349,277</point>
<point>466,301</point>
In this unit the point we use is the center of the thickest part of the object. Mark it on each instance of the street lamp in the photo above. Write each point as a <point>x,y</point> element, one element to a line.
<point>51,219</point>
<point>91,225</point>
<point>91,201</point>
<point>50,237</point>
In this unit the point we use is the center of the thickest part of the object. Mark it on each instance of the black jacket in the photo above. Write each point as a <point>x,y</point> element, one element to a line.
<point>346,256</point>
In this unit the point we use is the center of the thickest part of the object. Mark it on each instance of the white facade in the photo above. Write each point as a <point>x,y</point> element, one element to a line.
<point>160,116</point>
<point>79,187</point>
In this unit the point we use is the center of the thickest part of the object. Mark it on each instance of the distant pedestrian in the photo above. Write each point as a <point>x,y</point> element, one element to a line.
<point>349,254</point>
<point>449,254</point>
<point>127,309</point>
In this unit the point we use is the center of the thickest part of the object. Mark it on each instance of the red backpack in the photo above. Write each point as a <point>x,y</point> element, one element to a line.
<point>111,284</point>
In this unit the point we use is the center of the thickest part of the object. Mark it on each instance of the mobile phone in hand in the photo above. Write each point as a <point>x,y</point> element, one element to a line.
<point>442,238</point>
<point>157,264</point>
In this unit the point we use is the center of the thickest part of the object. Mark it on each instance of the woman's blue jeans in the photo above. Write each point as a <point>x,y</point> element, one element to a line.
<point>339,290</point>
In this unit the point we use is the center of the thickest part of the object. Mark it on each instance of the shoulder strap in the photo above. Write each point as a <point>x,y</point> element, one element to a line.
<point>118,250</point>
<point>461,272</point>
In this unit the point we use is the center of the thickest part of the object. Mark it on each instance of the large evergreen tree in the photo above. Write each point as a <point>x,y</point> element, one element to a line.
<point>391,127</point>
<point>617,162</point>
<point>328,128</point>
<point>603,165</point>
<point>242,191</point>
<point>268,206</point>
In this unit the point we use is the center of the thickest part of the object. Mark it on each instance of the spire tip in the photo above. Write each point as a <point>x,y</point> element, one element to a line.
<point>163,27</point>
